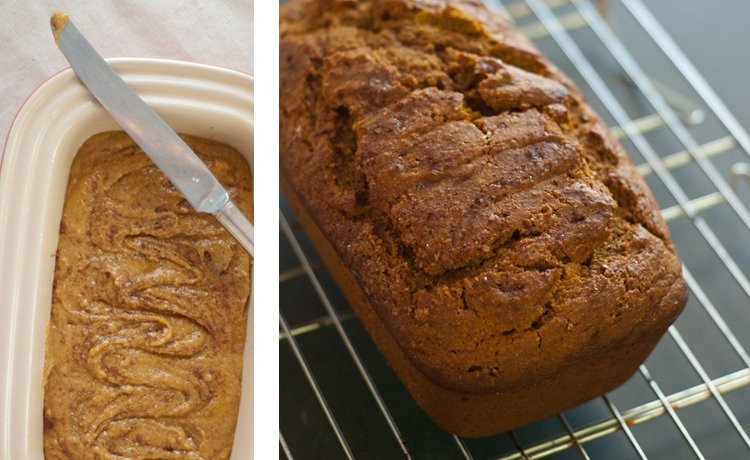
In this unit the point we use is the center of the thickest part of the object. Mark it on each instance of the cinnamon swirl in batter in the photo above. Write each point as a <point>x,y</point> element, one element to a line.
<point>144,348</point>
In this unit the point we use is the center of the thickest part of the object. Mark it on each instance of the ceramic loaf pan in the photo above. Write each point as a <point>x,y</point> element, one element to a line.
<point>56,119</point>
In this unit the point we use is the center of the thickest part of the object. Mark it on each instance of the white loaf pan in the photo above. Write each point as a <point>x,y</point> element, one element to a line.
<point>55,120</point>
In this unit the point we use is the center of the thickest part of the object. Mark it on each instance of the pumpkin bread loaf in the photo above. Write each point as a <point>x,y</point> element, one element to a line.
<point>484,223</point>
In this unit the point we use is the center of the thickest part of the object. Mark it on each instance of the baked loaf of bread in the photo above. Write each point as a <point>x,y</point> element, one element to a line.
<point>145,343</point>
<point>486,226</point>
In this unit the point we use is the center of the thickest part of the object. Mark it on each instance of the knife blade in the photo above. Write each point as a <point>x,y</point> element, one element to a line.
<point>166,149</point>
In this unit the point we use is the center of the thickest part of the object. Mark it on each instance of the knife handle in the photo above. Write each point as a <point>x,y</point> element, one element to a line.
<point>237,224</point>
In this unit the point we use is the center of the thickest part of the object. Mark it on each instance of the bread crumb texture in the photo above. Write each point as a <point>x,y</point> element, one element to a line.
<point>497,227</point>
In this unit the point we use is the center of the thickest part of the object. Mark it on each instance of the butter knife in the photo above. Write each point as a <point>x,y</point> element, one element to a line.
<point>165,148</point>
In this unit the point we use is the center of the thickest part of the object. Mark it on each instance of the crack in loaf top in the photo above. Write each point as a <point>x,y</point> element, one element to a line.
<point>486,211</point>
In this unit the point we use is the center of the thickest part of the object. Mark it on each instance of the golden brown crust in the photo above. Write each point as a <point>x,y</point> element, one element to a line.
<point>146,336</point>
<point>497,229</point>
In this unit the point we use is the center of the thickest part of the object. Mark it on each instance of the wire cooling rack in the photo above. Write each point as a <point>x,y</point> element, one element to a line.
<point>339,399</point>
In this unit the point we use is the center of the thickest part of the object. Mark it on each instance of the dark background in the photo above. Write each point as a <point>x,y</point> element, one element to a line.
<point>716,38</point>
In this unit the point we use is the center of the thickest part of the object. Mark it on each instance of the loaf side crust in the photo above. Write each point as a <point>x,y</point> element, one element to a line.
<point>496,227</point>
<point>476,415</point>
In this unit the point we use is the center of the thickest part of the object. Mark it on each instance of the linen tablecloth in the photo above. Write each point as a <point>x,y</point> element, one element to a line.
<point>218,32</point>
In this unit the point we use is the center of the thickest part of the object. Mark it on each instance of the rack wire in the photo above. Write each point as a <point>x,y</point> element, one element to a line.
<point>690,399</point>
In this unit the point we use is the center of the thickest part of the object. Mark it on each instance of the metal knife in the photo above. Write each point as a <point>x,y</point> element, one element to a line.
<point>170,153</point>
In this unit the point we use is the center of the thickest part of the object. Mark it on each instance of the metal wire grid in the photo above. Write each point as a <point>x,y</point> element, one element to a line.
<point>557,20</point>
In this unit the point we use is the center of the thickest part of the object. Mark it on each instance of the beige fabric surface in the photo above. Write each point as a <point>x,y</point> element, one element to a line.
<point>218,32</point>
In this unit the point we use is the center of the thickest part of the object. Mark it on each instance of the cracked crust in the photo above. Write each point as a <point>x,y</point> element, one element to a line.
<point>497,229</point>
